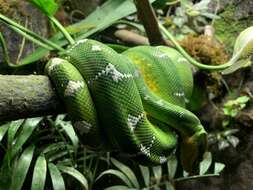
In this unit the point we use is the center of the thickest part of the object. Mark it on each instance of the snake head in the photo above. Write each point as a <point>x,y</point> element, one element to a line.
<point>192,150</point>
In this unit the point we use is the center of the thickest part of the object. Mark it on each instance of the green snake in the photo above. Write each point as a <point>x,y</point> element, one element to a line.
<point>131,101</point>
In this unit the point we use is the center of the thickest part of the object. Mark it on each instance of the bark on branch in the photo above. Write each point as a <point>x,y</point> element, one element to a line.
<point>148,18</point>
<point>27,96</point>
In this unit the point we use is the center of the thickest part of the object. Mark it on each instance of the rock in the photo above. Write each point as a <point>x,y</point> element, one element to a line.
<point>24,13</point>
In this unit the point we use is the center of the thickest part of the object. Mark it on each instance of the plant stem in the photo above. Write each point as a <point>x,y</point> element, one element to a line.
<point>62,29</point>
<point>188,57</point>
<point>39,40</point>
<point>5,50</point>
<point>196,177</point>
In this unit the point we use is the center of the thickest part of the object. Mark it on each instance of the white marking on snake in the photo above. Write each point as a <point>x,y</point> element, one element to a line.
<point>163,159</point>
<point>55,62</point>
<point>115,74</point>
<point>179,94</point>
<point>81,41</point>
<point>146,149</point>
<point>72,87</point>
<point>146,97</point>
<point>76,44</point>
<point>96,48</point>
<point>181,114</point>
<point>182,60</point>
<point>137,73</point>
<point>82,126</point>
<point>111,71</point>
<point>160,102</point>
<point>132,121</point>
<point>163,55</point>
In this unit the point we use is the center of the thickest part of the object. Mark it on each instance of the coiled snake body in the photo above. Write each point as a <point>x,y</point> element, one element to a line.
<point>130,101</point>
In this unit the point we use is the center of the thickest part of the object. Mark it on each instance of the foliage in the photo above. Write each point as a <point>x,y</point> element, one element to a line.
<point>233,107</point>
<point>111,11</point>
<point>157,177</point>
<point>49,7</point>
<point>190,17</point>
<point>33,146</point>
<point>224,139</point>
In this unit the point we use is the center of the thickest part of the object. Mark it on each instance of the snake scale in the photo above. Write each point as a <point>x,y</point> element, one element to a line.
<point>130,102</point>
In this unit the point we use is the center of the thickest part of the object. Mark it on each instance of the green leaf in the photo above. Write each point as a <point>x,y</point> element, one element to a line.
<point>27,129</point>
<point>146,174</point>
<point>104,16</point>
<point>169,186</point>
<point>119,187</point>
<point>20,172</point>
<point>218,167</point>
<point>3,130</point>
<point>48,7</point>
<point>157,170</point>
<point>75,174</point>
<point>206,163</point>
<point>69,130</point>
<point>14,126</point>
<point>55,147</point>
<point>127,171</point>
<point>233,140</point>
<point>118,174</point>
<point>56,177</point>
<point>172,166</point>
<point>39,174</point>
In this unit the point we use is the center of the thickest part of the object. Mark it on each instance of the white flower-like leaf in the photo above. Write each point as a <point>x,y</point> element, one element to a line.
<point>242,51</point>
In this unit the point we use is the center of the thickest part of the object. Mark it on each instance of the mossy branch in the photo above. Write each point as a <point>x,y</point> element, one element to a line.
<point>27,96</point>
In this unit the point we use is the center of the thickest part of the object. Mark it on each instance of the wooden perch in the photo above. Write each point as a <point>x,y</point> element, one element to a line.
<point>148,18</point>
<point>27,96</point>
<point>131,37</point>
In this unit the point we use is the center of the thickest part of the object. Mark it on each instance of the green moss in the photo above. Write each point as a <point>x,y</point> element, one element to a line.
<point>228,27</point>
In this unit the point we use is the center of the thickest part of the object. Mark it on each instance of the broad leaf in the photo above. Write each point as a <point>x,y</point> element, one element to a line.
<point>103,17</point>
<point>146,174</point>
<point>69,130</point>
<point>20,172</point>
<point>127,171</point>
<point>206,163</point>
<point>172,166</point>
<point>56,177</point>
<point>14,126</point>
<point>27,129</point>
<point>48,7</point>
<point>242,51</point>
<point>3,129</point>
<point>119,187</point>
<point>118,174</point>
<point>157,170</point>
<point>75,174</point>
<point>39,174</point>
<point>218,167</point>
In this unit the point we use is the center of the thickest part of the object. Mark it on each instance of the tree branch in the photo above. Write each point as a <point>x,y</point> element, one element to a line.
<point>148,18</point>
<point>27,96</point>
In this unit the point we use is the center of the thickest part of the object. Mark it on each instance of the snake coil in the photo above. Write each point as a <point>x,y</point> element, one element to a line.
<point>130,102</point>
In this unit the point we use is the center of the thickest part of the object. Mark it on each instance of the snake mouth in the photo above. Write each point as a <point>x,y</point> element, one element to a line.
<point>192,150</point>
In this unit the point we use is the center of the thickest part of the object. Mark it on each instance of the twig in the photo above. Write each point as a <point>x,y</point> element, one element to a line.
<point>148,18</point>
